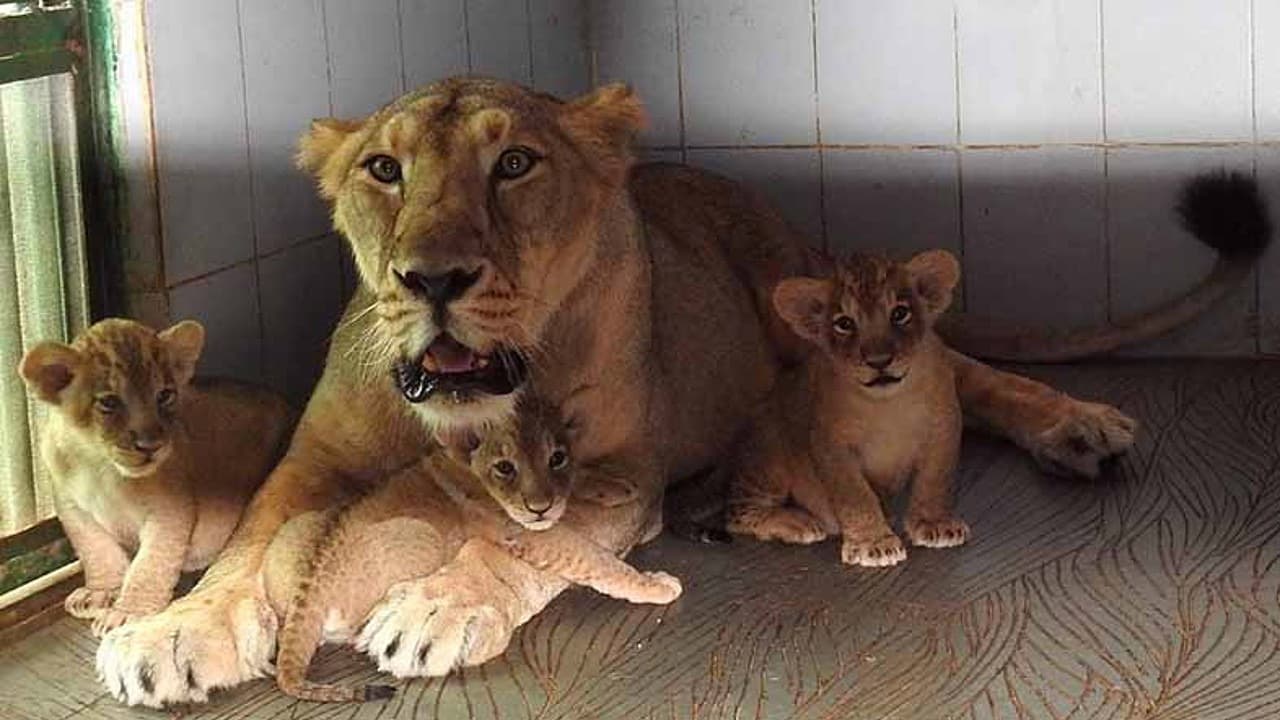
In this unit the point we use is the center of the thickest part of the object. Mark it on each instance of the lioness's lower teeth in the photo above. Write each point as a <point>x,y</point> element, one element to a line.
<point>482,362</point>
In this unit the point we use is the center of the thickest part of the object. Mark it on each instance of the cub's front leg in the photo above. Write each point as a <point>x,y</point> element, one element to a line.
<point>931,519</point>
<point>153,574</point>
<point>103,560</point>
<point>577,559</point>
<point>868,540</point>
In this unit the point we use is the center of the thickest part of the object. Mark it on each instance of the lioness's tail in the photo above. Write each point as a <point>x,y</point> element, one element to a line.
<point>1223,210</point>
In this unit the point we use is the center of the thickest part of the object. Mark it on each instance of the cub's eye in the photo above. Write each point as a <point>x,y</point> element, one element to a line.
<point>559,458</point>
<point>108,404</point>
<point>505,469</point>
<point>514,163</point>
<point>844,324</point>
<point>165,397</point>
<point>383,168</point>
<point>900,315</point>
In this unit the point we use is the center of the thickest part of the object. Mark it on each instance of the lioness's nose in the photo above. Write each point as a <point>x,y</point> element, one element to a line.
<point>879,362</point>
<point>438,288</point>
<point>147,442</point>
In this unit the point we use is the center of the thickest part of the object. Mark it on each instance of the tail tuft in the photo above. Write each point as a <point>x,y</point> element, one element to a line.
<point>378,692</point>
<point>1225,211</point>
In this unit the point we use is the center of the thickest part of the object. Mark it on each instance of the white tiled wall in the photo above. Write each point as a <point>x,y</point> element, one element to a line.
<point>248,247</point>
<point>1044,140</point>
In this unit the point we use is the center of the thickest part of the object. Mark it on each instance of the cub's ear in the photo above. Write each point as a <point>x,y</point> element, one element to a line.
<point>935,274</point>
<point>458,443</point>
<point>49,368</point>
<point>805,305</point>
<point>604,122</point>
<point>184,341</point>
<point>318,152</point>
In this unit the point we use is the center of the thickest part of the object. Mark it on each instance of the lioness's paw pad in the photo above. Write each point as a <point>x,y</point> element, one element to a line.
<point>1088,435</point>
<point>883,551</point>
<point>950,532</point>
<point>661,588</point>
<point>88,603</point>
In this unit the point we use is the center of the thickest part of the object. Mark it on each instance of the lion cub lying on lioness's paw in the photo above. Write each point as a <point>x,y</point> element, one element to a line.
<point>508,484</point>
<point>150,468</point>
<point>873,408</point>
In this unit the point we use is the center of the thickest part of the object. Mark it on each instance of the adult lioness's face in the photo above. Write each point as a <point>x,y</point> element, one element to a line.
<point>472,208</point>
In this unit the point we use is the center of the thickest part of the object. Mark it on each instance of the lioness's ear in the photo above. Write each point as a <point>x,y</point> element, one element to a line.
<point>935,273</point>
<point>804,304</point>
<point>49,368</point>
<point>606,121</point>
<point>184,341</point>
<point>318,152</point>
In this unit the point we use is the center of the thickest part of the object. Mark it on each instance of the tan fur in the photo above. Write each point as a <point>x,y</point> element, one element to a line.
<point>640,297</point>
<point>874,409</point>
<point>151,470</point>
<point>408,527</point>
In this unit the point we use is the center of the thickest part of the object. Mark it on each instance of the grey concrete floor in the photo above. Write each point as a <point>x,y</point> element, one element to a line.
<point>1151,593</point>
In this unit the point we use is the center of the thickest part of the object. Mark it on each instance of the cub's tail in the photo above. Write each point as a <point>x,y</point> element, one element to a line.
<point>1223,210</point>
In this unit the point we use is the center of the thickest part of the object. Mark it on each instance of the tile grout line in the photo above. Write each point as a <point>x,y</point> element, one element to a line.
<point>1253,111</point>
<point>265,256</point>
<point>328,59</point>
<point>404,77</point>
<point>528,36</point>
<point>253,203</point>
<point>684,143</point>
<point>466,34</point>
<point>1106,162</point>
<point>817,129</point>
<point>961,225</point>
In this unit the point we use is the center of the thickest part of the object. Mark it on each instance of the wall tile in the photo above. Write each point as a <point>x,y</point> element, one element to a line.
<point>499,33</point>
<point>1266,66</point>
<point>1034,243</point>
<point>286,85</point>
<point>886,72</point>
<point>635,43</point>
<point>199,113</point>
<point>558,34</point>
<point>1154,260</point>
<point>669,156</point>
<point>433,38</point>
<point>1177,69</point>
<point>748,72</point>
<point>1268,162</point>
<point>893,201</point>
<point>789,178</point>
<point>365,67</point>
<point>301,302</point>
<point>227,304</point>
<point>1030,71</point>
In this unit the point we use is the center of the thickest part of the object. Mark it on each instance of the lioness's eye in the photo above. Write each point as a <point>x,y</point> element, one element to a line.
<point>844,324</point>
<point>383,168</point>
<point>900,315</point>
<point>514,162</point>
<point>505,468</point>
<point>108,403</point>
<point>165,397</point>
<point>558,459</point>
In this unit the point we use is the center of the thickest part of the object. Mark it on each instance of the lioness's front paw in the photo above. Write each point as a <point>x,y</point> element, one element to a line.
<point>199,643</point>
<point>425,627</point>
<point>1089,434</point>
<point>659,588</point>
<point>89,603</point>
<point>944,533</point>
<point>878,551</point>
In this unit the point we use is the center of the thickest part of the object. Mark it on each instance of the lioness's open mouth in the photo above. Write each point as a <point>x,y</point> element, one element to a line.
<point>449,366</point>
<point>882,381</point>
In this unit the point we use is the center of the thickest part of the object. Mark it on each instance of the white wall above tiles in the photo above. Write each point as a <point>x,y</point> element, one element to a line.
<point>1043,140</point>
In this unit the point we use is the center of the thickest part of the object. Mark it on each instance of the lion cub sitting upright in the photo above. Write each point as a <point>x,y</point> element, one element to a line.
<point>150,468</point>
<point>873,408</point>
<point>509,484</point>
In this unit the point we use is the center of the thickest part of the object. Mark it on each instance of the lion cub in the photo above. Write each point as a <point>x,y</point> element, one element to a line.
<point>509,484</point>
<point>150,468</point>
<point>873,408</point>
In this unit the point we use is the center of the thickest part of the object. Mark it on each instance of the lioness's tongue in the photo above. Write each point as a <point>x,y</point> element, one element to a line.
<point>447,355</point>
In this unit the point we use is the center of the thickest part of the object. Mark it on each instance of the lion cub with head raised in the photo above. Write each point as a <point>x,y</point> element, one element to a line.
<point>150,468</point>
<point>873,408</point>
<point>509,484</point>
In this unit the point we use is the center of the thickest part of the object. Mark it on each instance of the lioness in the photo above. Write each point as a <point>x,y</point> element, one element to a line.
<point>500,235</point>
<point>132,444</point>
<point>874,408</point>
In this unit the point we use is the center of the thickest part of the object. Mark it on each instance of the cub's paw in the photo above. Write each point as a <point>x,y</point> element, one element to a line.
<point>786,524</point>
<point>944,533</point>
<point>211,639</point>
<point>876,552</point>
<point>89,603</point>
<point>1087,435</point>
<point>432,626</point>
<point>113,618</point>
<point>659,588</point>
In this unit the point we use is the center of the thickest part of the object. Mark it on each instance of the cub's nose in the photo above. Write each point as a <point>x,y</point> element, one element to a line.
<point>147,444</point>
<point>537,506</point>
<point>438,288</point>
<point>879,362</point>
